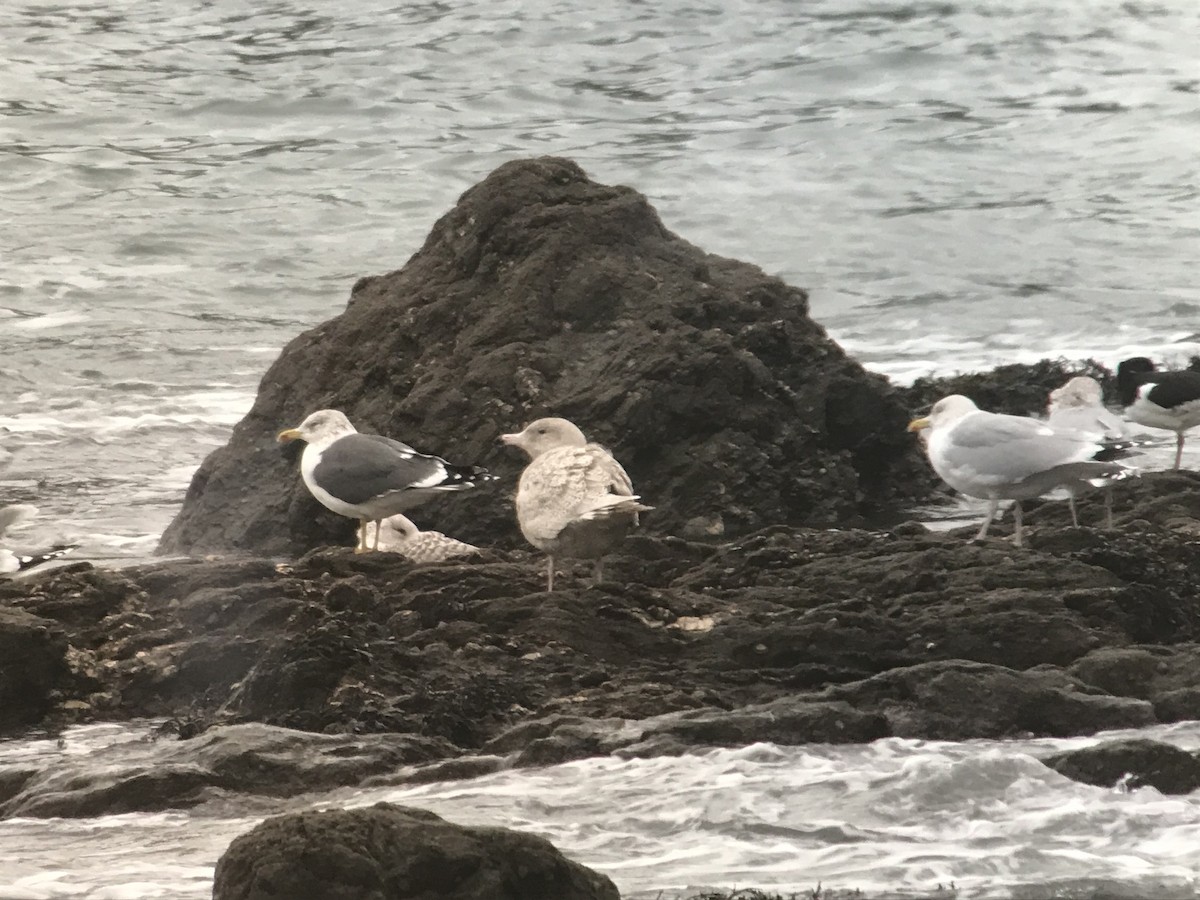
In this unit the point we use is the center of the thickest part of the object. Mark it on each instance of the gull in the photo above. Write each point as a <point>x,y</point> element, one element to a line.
<point>370,477</point>
<point>998,457</point>
<point>1079,406</point>
<point>1168,400</point>
<point>398,534</point>
<point>574,499</point>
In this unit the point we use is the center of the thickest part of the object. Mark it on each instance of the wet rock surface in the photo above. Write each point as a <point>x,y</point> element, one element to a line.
<point>245,759</point>
<point>1135,763</point>
<point>543,292</point>
<point>790,635</point>
<point>387,852</point>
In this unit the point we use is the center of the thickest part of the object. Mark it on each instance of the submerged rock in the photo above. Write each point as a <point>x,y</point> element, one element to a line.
<point>387,852</point>
<point>1134,763</point>
<point>246,759</point>
<point>543,292</point>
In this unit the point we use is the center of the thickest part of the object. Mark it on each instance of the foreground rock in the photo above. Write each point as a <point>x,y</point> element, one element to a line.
<point>244,759</point>
<point>543,292</point>
<point>387,852</point>
<point>33,666</point>
<point>1134,763</point>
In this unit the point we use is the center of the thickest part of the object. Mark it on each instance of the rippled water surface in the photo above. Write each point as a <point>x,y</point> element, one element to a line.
<point>184,186</point>
<point>895,815</point>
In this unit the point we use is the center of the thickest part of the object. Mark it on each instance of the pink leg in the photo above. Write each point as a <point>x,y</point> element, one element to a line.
<point>1178,449</point>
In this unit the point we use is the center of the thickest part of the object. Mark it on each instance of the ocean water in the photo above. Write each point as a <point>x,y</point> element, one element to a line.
<point>186,185</point>
<point>984,819</point>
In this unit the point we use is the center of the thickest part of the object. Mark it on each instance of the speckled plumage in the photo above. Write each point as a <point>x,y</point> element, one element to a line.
<point>574,499</point>
<point>398,534</point>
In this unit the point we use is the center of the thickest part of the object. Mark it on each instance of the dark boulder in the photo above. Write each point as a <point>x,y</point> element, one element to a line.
<point>545,292</point>
<point>33,667</point>
<point>1136,762</point>
<point>245,759</point>
<point>387,852</point>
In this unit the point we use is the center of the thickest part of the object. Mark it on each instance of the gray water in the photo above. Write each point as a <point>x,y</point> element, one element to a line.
<point>894,815</point>
<point>186,185</point>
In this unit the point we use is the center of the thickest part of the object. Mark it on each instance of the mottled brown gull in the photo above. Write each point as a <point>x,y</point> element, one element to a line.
<point>997,457</point>
<point>1079,406</point>
<point>398,534</point>
<point>574,499</point>
<point>368,476</point>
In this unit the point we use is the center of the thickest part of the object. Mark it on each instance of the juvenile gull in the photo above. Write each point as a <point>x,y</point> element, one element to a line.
<point>1169,400</point>
<point>574,499</point>
<point>998,457</point>
<point>1079,406</point>
<point>370,477</point>
<point>398,534</point>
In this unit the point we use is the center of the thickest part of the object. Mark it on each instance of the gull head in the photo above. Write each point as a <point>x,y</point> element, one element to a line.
<point>320,427</point>
<point>945,411</point>
<point>1078,393</point>
<point>544,435</point>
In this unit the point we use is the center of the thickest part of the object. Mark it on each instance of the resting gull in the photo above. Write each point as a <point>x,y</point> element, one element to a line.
<point>1079,406</point>
<point>574,499</point>
<point>997,457</point>
<point>370,477</point>
<point>1169,400</point>
<point>398,534</point>
<point>10,563</point>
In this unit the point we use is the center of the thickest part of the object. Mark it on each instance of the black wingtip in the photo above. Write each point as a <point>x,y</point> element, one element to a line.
<point>25,562</point>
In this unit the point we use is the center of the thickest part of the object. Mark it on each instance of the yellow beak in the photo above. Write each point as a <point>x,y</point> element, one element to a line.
<point>914,426</point>
<point>290,434</point>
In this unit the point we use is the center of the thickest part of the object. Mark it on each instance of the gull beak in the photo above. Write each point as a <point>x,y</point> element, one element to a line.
<point>290,434</point>
<point>511,439</point>
<point>918,424</point>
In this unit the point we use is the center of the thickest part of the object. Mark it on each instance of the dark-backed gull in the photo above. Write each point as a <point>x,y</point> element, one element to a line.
<point>370,477</point>
<point>1168,400</point>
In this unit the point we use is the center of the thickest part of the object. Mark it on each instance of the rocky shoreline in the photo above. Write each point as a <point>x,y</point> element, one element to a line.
<point>777,594</point>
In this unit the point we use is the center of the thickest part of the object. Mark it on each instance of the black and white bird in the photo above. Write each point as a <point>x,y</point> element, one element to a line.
<point>996,457</point>
<point>11,563</point>
<point>1168,400</point>
<point>368,476</point>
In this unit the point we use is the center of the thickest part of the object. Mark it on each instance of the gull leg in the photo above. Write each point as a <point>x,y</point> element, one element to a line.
<point>598,571</point>
<point>362,537</point>
<point>1074,514</point>
<point>1178,449</point>
<point>1018,536</point>
<point>378,528</point>
<point>549,574</point>
<point>993,505</point>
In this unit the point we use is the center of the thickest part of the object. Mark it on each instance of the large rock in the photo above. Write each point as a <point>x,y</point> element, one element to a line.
<point>545,292</point>
<point>387,852</point>
<point>246,759</point>
<point>33,667</point>
<point>1134,762</point>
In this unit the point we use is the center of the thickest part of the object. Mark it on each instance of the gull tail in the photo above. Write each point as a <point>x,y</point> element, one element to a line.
<point>11,563</point>
<point>460,478</point>
<point>615,505</point>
